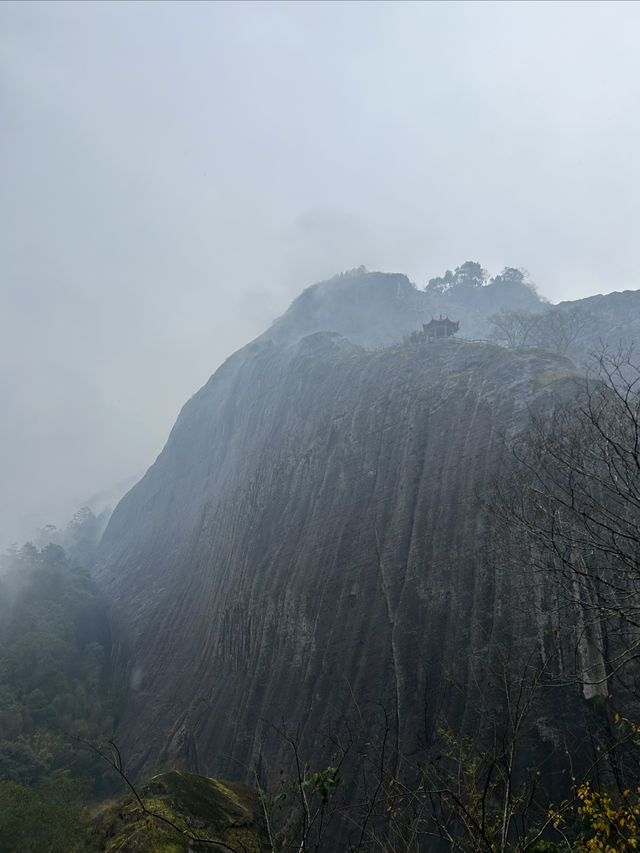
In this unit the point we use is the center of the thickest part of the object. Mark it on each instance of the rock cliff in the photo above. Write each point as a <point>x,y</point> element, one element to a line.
<point>318,530</point>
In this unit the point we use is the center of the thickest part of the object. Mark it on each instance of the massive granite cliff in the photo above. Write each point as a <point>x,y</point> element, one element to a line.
<point>318,530</point>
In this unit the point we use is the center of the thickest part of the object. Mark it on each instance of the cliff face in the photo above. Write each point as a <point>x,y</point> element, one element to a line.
<point>315,531</point>
<point>615,323</point>
<point>319,531</point>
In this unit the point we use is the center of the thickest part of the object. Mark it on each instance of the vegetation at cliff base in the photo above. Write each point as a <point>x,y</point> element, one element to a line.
<point>54,697</point>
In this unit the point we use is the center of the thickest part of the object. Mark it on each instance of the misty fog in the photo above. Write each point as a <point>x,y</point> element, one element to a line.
<point>174,174</point>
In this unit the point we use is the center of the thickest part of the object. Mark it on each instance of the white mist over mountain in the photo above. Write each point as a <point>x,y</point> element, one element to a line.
<point>174,174</point>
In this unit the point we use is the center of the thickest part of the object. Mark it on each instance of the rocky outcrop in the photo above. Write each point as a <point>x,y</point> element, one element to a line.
<point>378,309</point>
<point>319,531</point>
<point>613,321</point>
<point>180,811</point>
<point>313,532</point>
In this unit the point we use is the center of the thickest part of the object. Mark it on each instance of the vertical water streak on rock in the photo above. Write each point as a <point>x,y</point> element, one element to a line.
<point>315,522</point>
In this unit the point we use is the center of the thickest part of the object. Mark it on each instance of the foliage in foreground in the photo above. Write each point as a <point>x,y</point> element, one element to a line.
<point>178,812</point>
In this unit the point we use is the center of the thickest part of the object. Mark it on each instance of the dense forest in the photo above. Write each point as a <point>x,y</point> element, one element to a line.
<point>55,699</point>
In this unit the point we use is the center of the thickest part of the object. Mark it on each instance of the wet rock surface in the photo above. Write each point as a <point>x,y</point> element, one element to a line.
<point>318,532</point>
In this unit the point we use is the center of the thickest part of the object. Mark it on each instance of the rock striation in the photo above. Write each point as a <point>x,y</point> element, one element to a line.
<point>319,530</point>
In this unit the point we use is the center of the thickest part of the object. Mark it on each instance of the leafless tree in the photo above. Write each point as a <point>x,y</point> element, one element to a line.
<point>558,328</point>
<point>515,328</point>
<point>576,500</point>
<point>479,792</point>
<point>555,327</point>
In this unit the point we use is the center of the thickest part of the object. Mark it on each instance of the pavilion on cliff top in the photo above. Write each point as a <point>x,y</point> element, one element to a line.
<point>443,327</point>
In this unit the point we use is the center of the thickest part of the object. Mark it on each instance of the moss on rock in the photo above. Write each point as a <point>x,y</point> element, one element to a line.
<point>548,376</point>
<point>184,812</point>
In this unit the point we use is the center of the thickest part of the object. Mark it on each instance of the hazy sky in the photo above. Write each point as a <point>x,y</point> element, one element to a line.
<point>173,174</point>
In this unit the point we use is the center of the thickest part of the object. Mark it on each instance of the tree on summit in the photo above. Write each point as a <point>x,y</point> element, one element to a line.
<point>515,328</point>
<point>510,277</point>
<point>469,274</point>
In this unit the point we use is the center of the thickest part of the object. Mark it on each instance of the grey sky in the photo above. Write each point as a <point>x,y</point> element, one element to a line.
<point>173,174</point>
